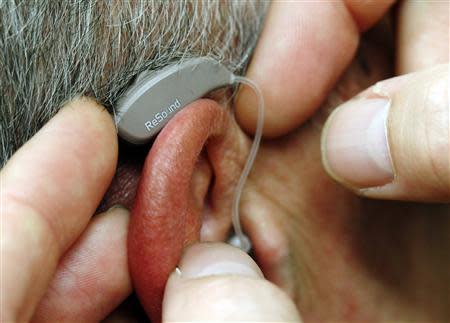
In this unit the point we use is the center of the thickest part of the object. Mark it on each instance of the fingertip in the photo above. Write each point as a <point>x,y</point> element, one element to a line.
<point>94,122</point>
<point>217,282</point>
<point>118,217</point>
<point>205,259</point>
<point>275,124</point>
<point>296,63</point>
<point>367,13</point>
<point>118,209</point>
<point>355,148</point>
<point>88,109</point>
<point>391,142</point>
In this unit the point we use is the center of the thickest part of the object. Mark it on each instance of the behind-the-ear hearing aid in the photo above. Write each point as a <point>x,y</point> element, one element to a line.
<point>156,96</point>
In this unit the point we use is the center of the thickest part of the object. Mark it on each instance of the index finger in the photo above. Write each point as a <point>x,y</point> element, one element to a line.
<point>49,190</point>
<point>303,49</point>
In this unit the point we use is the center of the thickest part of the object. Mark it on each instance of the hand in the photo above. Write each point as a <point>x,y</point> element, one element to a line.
<point>217,282</point>
<point>58,263</point>
<point>340,256</point>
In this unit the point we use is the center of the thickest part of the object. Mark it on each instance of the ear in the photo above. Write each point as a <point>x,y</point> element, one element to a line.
<point>220,166</point>
<point>173,190</point>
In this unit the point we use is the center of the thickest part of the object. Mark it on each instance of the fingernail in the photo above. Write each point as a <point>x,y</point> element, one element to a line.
<point>355,148</point>
<point>117,206</point>
<point>212,259</point>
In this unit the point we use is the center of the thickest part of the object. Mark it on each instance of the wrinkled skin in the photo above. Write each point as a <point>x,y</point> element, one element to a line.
<point>341,257</point>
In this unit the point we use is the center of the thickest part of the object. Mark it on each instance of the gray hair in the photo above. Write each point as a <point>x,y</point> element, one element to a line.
<point>52,51</point>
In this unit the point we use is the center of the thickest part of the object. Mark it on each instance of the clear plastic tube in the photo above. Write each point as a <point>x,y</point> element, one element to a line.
<point>240,239</point>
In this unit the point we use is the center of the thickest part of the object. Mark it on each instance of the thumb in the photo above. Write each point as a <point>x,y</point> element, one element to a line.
<point>217,282</point>
<point>392,141</point>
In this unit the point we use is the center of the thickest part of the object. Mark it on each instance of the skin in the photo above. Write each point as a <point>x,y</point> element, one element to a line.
<point>339,256</point>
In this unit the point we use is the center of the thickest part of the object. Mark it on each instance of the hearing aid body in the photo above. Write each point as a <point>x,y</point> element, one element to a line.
<point>155,98</point>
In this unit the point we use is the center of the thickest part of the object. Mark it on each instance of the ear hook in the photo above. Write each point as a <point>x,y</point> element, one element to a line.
<point>157,96</point>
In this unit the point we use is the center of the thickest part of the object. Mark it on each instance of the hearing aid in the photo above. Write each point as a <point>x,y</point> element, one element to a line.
<point>156,96</point>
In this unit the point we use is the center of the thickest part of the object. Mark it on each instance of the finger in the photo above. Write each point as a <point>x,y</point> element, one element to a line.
<point>393,142</point>
<point>218,282</point>
<point>92,278</point>
<point>49,190</point>
<point>423,35</point>
<point>303,49</point>
<point>367,12</point>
